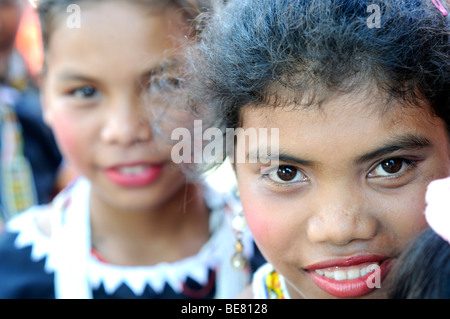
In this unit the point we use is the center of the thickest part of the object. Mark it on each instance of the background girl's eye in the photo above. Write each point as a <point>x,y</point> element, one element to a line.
<point>84,92</point>
<point>286,173</point>
<point>163,84</point>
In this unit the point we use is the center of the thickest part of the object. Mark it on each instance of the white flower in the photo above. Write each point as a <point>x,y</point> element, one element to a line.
<point>437,212</point>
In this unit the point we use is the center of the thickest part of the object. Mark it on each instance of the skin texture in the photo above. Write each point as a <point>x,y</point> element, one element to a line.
<point>339,200</point>
<point>96,93</point>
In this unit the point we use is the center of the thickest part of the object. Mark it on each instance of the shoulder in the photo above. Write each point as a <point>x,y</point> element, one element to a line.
<point>28,229</point>
<point>22,262</point>
<point>35,220</point>
<point>33,227</point>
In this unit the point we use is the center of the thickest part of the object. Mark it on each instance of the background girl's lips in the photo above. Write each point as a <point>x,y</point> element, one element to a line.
<point>350,277</point>
<point>134,175</point>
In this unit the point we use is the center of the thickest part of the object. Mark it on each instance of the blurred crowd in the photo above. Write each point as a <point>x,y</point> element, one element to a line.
<point>31,162</point>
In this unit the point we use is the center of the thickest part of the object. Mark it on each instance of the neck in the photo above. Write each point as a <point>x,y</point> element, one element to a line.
<point>173,230</point>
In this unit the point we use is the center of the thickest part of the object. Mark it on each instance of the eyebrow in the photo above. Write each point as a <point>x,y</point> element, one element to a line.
<point>294,160</point>
<point>398,143</point>
<point>69,76</point>
<point>165,69</point>
<point>283,157</point>
<point>406,142</point>
<point>168,65</point>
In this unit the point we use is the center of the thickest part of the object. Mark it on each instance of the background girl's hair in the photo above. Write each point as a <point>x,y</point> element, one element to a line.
<point>422,271</point>
<point>262,51</point>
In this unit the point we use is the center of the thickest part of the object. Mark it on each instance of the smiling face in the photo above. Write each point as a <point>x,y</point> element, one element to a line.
<point>95,97</point>
<point>347,194</point>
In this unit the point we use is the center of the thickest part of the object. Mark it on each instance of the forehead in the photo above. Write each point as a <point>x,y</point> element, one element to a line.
<point>109,29</point>
<point>355,108</point>
<point>353,124</point>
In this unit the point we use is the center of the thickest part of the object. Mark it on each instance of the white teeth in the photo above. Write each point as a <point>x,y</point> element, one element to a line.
<point>363,271</point>
<point>132,170</point>
<point>372,267</point>
<point>340,275</point>
<point>354,273</point>
<point>350,274</point>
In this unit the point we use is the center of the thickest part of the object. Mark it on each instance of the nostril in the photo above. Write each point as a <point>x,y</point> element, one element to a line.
<point>341,229</point>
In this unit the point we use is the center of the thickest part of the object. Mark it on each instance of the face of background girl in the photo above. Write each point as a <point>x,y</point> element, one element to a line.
<point>94,93</point>
<point>349,191</point>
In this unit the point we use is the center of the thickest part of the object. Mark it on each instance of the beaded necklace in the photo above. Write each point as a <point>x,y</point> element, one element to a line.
<point>269,284</point>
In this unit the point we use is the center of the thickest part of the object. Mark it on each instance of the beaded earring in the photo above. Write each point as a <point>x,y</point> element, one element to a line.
<point>239,224</point>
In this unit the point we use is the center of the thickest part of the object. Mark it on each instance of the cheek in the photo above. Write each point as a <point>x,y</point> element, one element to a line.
<point>68,136</point>
<point>257,224</point>
<point>413,218</point>
<point>403,216</point>
<point>263,221</point>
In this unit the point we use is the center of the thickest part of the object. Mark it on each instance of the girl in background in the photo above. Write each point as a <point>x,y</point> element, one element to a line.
<point>134,225</point>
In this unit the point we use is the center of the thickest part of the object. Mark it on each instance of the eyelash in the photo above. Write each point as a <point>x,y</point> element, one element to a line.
<point>163,84</point>
<point>80,90</point>
<point>406,165</point>
<point>274,170</point>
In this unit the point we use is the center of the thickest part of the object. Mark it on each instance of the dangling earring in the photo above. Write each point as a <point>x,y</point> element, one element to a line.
<point>239,224</point>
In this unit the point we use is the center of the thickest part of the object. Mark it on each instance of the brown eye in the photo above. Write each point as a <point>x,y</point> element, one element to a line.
<point>286,176</point>
<point>286,173</point>
<point>392,166</point>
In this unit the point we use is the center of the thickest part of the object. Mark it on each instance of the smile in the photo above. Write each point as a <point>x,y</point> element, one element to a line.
<point>134,175</point>
<point>350,277</point>
<point>353,273</point>
<point>133,170</point>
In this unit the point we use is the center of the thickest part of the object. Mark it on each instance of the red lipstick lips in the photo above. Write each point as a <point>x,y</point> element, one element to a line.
<point>350,277</point>
<point>134,175</point>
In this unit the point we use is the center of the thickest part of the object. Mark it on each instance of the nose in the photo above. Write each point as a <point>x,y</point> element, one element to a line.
<point>126,123</point>
<point>341,215</point>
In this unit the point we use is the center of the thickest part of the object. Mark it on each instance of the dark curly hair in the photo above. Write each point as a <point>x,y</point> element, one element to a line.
<point>260,51</point>
<point>422,270</point>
